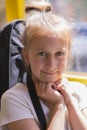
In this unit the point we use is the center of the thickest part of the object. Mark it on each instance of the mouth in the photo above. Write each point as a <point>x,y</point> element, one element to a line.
<point>49,73</point>
<point>51,76</point>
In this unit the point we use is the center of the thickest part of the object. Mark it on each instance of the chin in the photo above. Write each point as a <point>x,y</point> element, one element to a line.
<point>50,80</point>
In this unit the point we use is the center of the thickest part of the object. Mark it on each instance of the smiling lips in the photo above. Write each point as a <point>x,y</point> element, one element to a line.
<point>49,73</point>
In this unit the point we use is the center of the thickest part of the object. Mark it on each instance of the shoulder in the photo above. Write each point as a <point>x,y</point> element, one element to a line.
<point>16,105</point>
<point>19,88</point>
<point>15,98</point>
<point>17,93</point>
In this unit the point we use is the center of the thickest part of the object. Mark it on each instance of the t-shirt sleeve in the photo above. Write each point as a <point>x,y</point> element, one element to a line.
<point>15,105</point>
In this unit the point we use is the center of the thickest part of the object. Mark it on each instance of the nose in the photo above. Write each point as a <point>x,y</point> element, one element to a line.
<point>51,62</point>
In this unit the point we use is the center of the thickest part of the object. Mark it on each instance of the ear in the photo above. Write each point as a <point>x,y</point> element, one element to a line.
<point>25,57</point>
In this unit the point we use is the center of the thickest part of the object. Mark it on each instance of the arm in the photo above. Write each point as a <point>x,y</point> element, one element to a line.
<point>25,124</point>
<point>77,118</point>
<point>57,118</point>
<point>56,122</point>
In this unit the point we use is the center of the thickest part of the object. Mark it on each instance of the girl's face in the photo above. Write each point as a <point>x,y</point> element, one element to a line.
<point>47,57</point>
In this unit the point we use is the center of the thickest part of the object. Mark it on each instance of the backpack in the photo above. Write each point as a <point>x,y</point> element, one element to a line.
<point>10,56</point>
<point>12,69</point>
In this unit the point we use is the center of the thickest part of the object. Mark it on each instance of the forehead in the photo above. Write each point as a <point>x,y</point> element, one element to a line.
<point>51,34</point>
<point>47,42</point>
<point>47,37</point>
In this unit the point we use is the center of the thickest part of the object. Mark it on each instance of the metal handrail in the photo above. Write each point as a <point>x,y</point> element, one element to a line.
<point>14,9</point>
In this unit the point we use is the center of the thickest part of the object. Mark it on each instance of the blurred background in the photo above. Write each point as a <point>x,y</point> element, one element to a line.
<point>2,13</point>
<point>76,11</point>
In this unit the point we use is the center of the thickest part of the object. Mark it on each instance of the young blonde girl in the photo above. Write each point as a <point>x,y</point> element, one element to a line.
<point>47,41</point>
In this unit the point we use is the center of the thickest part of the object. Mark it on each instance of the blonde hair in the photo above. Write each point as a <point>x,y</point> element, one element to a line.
<point>49,24</point>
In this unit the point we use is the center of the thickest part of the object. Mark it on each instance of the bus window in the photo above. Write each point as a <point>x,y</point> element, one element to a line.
<point>76,12</point>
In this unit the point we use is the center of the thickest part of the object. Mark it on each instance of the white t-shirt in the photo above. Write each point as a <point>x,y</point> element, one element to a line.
<point>16,104</point>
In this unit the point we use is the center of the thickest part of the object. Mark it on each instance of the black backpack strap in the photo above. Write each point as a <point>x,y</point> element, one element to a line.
<point>36,103</point>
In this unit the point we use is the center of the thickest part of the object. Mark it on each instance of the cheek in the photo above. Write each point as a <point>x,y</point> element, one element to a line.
<point>38,62</point>
<point>62,64</point>
<point>35,64</point>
